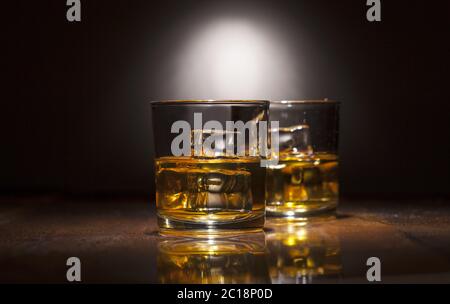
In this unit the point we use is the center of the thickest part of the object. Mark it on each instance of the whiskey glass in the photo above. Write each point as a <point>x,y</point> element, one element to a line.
<point>209,175</point>
<point>304,182</point>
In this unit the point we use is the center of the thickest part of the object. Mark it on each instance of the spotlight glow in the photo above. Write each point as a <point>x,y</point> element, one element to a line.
<point>234,59</point>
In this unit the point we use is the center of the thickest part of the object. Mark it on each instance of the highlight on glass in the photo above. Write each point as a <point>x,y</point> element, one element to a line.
<point>304,182</point>
<point>208,165</point>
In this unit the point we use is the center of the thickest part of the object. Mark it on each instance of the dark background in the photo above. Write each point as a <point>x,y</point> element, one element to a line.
<point>75,107</point>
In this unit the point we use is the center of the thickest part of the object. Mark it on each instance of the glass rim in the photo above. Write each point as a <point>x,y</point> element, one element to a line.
<point>210,101</point>
<point>305,101</point>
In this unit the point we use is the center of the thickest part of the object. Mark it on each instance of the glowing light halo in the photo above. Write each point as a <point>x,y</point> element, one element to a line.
<point>235,59</point>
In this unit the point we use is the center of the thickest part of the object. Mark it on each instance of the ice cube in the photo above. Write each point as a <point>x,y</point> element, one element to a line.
<point>218,145</point>
<point>221,189</point>
<point>295,140</point>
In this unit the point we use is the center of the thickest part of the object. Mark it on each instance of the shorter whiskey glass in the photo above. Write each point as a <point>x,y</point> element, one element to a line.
<point>304,181</point>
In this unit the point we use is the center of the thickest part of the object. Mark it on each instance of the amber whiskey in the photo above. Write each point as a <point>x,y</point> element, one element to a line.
<point>219,192</point>
<point>302,184</point>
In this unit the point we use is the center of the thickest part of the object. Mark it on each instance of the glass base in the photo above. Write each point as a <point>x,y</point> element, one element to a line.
<point>217,221</point>
<point>302,209</point>
<point>209,233</point>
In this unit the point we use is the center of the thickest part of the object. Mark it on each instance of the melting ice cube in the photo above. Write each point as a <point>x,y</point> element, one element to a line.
<point>295,140</point>
<point>213,143</point>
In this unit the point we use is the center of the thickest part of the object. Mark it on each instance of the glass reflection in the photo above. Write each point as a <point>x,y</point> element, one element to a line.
<point>302,254</point>
<point>213,260</point>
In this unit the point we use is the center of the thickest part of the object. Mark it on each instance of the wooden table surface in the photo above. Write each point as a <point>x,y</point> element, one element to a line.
<point>117,241</point>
